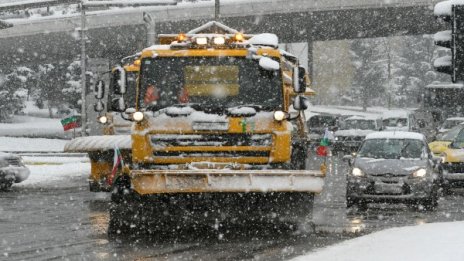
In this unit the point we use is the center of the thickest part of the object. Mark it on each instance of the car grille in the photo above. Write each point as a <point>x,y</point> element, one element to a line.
<point>454,167</point>
<point>165,143</point>
<point>14,161</point>
<point>389,178</point>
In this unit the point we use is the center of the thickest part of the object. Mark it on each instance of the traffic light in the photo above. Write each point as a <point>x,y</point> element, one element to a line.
<point>452,38</point>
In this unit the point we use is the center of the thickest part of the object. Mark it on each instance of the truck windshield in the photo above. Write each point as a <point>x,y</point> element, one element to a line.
<point>213,82</point>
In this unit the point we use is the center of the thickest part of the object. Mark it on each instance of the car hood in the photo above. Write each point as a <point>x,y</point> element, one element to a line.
<point>373,166</point>
<point>454,155</point>
<point>437,147</point>
<point>355,132</point>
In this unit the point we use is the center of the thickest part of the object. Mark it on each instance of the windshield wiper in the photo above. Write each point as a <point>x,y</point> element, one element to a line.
<point>403,149</point>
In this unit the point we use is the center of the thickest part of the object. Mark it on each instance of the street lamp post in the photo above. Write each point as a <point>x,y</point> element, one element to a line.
<point>150,25</point>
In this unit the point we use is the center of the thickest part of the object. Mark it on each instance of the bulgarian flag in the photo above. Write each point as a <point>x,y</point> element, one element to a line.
<point>322,149</point>
<point>70,122</point>
<point>117,160</point>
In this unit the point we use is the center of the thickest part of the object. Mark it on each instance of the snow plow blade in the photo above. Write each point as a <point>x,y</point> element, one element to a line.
<point>98,143</point>
<point>147,182</point>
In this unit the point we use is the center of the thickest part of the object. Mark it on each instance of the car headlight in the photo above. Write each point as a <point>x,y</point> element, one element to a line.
<point>103,119</point>
<point>279,115</point>
<point>137,116</point>
<point>443,158</point>
<point>420,173</point>
<point>357,172</point>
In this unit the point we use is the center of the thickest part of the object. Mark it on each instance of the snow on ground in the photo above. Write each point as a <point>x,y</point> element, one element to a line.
<point>435,241</point>
<point>49,170</point>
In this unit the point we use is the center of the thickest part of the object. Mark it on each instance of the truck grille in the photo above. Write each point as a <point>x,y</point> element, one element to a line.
<point>170,145</point>
<point>160,141</point>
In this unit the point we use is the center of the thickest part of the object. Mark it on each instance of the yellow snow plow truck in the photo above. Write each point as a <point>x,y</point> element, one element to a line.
<point>218,134</point>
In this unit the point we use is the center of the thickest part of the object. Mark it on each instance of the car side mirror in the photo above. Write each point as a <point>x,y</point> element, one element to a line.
<point>100,89</point>
<point>119,81</point>
<point>349,159</point>
<point>300,103</point>
<point>118,104</point>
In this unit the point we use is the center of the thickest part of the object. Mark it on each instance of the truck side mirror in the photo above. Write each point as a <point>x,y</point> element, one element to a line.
<point>300,103</point>
<point>100,89</point>
<point>299,79</point>
<point>119,81</point>
<point>118,104</point>
<point>99,106</point>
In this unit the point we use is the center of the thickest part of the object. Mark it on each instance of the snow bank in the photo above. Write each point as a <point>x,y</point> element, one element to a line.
<point>31,145</point>
<point>25,126</point>
<point>437,241</point>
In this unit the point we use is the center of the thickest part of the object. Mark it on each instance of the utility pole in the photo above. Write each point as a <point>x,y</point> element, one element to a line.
<point>83,35</point>
<point>217,10</point>
<point>83,72</point>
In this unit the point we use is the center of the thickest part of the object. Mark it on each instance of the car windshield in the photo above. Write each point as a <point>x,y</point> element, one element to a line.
<point>392,148</point>
<point>451,134</point>
<point>448,124</point>
<point>395,122</point>
<point>359,124</point>
<point>458,143</point>
<point>213,82</point>
<point>319,121</point>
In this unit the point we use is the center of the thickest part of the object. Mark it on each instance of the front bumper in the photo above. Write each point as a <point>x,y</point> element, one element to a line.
<point>453,172</point>
<point>147,182</point>
<point>374,189</point>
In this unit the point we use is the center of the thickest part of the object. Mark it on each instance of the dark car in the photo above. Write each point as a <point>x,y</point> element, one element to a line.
<point>12,170</point>
<point>393,167</point>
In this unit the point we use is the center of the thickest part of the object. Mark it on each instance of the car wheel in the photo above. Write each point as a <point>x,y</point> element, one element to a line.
<point>430,203</point>
<point>6,185</point>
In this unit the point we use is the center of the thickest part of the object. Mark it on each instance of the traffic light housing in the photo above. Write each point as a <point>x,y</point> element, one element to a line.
<point>452,38</point>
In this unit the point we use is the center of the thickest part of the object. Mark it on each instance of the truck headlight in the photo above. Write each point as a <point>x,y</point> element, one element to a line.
<point>279,115</point>
<point>357,172</point>
<point>137,116</point>
<point>103,119</point>
<point>420,173</point>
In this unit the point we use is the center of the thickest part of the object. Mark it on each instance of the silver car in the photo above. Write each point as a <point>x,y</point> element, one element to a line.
<point>393,167</point>
<point>12,170</point>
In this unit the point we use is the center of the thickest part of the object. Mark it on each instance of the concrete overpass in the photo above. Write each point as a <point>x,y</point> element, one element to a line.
<point>117,33</point>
